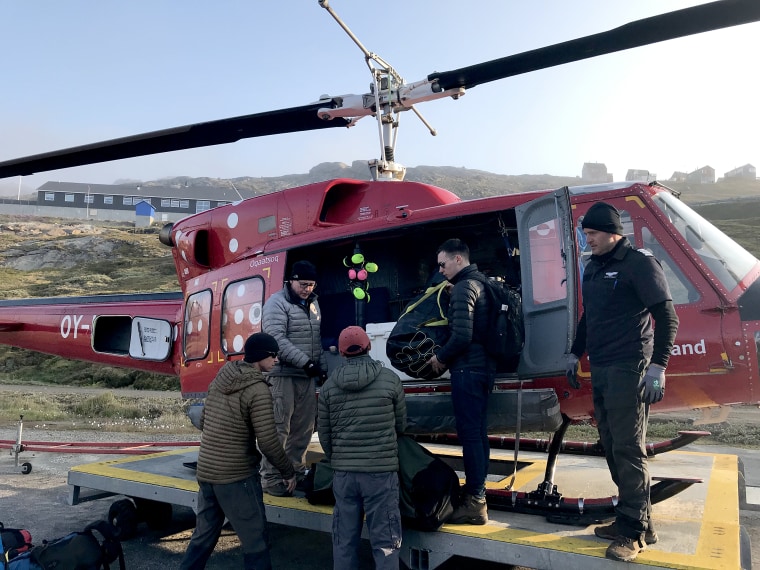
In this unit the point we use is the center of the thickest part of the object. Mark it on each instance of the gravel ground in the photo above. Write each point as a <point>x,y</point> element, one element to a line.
<point>38,501</point>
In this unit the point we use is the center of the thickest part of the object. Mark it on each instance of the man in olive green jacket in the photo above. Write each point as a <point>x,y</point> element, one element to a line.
<point>361,410</point>
<point>237,415</point>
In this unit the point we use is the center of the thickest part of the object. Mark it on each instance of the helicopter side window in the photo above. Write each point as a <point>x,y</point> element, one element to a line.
<point>681,289</point>
<point>197,318</point>
<point>242,307</point>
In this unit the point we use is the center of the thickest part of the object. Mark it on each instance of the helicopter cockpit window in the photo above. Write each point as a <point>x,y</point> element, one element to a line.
<point>197,319</point>
<point>681,289</point>
<point>242,306</point>
<point>725,258</point>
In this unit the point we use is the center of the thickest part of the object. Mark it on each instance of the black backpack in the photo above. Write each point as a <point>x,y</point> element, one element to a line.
<point>506,330</point>
<point>75,551</point>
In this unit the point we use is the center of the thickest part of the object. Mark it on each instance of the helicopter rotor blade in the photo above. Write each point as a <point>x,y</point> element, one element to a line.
<point>197,135</point>
<point>680,23</point>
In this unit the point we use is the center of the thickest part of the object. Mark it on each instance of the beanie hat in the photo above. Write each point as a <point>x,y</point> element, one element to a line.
<point>603,217</point>
<point>259,346</point>
<point>303,270</point>
<point>353,341</point>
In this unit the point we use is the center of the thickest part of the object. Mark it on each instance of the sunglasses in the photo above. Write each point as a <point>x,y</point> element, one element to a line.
<point>272,354</point>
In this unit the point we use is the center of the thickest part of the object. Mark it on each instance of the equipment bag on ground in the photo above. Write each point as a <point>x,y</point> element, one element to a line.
<point>13,541</point>
<point>428,486</point>
<point>75,551</point>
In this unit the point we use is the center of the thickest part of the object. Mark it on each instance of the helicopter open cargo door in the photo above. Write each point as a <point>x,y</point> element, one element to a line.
<point>547,260</point>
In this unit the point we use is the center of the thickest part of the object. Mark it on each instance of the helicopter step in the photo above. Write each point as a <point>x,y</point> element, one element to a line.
<point>698,527</point>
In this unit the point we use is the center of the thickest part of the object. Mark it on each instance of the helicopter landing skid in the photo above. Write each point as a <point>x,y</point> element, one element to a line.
<point>577,511</point>
<point>595,449</point>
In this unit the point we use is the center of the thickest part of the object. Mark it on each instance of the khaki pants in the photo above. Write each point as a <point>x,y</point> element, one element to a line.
<point>295,409</point>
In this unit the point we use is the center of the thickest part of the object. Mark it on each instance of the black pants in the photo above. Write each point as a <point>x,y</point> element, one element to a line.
<point>622,421</point>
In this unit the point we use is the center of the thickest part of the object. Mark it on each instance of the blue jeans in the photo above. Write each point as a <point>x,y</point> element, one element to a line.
<point>242,503</point>
<point>377,496</point>
<point>469,394</point>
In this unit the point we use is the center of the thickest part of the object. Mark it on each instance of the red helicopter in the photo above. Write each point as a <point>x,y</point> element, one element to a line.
<point>231,258</point>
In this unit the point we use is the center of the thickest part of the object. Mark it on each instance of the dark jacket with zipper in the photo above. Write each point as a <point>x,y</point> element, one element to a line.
<point>468,322</point>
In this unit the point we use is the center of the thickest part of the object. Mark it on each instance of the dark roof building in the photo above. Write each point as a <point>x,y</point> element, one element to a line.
<point>170,203</point>
<point>746,172</point>
<point>639,175</point>
<point>704,175</point>
<point>595,173</point>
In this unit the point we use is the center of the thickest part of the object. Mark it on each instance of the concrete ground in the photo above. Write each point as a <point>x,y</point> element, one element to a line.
<point>38,501</point>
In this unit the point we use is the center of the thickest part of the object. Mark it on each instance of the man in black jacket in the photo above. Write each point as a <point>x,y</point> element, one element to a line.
<point>624,290</point>
<point>472,374</point>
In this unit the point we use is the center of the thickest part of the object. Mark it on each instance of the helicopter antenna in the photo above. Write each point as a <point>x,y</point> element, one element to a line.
<point>384,93</point>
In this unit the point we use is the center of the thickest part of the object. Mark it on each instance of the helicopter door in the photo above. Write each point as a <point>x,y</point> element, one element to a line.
<point>547,260</point>
<point>151,339</point>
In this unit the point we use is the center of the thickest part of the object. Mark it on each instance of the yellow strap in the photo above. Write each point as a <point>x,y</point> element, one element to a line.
<point>428,292</point>
<point>437,290</point>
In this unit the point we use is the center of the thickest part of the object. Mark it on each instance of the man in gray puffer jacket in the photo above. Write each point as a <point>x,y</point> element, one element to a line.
<point>237,415</point>
<point>293,318</point>
<point>361,411</point>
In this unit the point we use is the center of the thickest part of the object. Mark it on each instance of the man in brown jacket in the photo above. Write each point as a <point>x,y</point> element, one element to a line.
<point>237,415</point>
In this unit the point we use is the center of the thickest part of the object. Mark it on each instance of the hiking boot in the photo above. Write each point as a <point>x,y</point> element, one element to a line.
<point>277,490</point>
<point>610,532</point>
<point>471,511</point>
<point>625,549</point>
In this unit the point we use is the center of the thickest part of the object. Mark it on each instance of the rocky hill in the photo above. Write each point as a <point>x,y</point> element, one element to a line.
<point>464,182</point>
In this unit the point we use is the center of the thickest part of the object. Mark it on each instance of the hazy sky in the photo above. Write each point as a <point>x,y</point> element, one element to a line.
<point>82,71</point>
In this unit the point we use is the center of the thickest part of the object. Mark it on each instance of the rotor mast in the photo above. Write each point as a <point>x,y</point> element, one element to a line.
<point>388,96</point>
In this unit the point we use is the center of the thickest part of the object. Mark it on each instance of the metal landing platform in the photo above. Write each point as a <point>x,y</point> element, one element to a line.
<point>698,528</point>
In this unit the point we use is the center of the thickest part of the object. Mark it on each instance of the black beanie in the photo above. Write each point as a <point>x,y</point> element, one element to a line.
<point>259,346</point>
<point>303,271</point>
<point>604,218</point>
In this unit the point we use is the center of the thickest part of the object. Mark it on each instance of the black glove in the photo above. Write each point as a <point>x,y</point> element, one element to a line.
<point>653,383</point>
<point>571,371</point>
<point>312,369</point>
<point>322,378</point>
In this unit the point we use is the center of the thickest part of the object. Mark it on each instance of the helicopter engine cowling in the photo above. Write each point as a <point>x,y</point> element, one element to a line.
<point>165,235</point>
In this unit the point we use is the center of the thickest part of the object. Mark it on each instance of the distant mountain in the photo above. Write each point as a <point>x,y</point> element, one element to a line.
<point>464,182</point>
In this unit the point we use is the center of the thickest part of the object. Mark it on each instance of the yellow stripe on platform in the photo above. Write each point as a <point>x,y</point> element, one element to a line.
<point>115,468</point>
<point>525,475</point>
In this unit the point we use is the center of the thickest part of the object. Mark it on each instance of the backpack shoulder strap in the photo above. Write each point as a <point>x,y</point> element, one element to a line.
<point>111,546</point>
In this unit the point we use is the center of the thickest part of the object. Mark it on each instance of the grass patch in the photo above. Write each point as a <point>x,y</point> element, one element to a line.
<point>34,407</point>
<point>106,411</point>
<point>106,405</point>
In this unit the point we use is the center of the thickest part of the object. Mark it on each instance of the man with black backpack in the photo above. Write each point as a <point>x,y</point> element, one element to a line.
<point>472,373</point>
